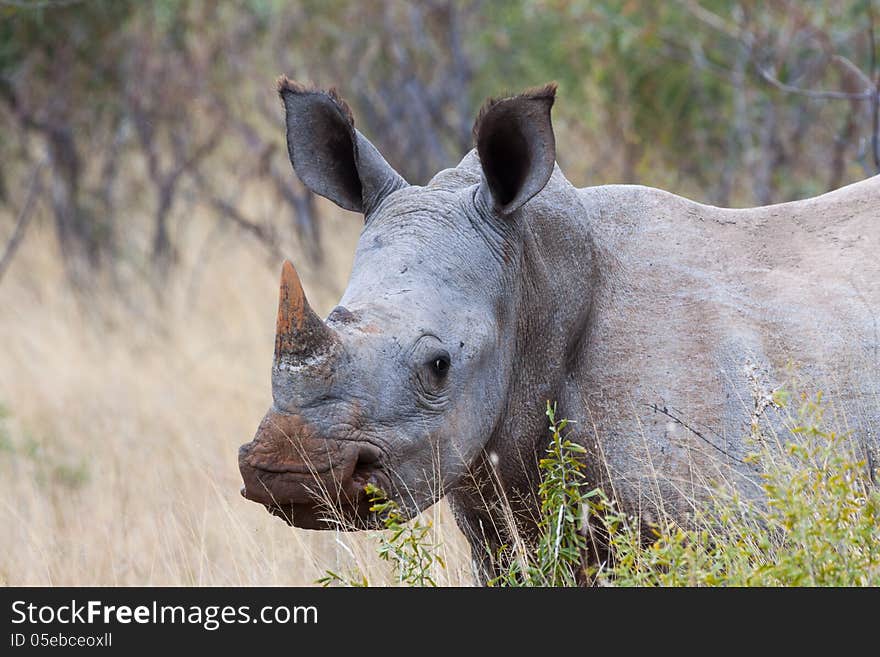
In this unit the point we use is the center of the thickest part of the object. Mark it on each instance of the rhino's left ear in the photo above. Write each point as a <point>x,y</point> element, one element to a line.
<point>328,154</point>
<point>517,148</point>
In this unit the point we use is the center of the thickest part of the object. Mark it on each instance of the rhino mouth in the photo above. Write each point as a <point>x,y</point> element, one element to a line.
<point>349,517</point>
<point>329,495</point>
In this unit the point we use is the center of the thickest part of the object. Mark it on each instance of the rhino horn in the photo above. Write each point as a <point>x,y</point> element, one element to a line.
<point>299,332</point>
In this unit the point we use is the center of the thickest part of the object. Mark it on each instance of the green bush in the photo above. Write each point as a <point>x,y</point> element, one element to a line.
<point>818,523</point>
<point>406,545</point>
<point>557,559</point>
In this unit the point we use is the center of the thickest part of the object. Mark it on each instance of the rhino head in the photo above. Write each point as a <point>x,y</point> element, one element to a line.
<point>408,377</point>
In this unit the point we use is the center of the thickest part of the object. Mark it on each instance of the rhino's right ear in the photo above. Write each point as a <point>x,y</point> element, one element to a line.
<point>328,154</point>
<point>517,149</point>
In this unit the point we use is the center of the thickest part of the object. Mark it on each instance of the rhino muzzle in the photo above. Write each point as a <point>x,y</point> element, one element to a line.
<point>310,481</point>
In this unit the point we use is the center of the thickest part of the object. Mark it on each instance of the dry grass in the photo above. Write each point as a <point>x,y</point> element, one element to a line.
<point>118,452</point>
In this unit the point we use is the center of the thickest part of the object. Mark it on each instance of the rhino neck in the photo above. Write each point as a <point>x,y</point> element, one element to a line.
<point>550,302</point>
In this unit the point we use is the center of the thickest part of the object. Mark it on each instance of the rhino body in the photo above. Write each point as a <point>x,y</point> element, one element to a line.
<point>660,325</point>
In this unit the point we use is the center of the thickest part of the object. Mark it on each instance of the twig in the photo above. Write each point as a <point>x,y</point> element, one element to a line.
<point>38,4</point>
<point>665,411</point>
<point>263,233</point>
<point>711,19</point>
<point>837,95</point>
<point>872,42</point>
<point>846,66</point>
<point>875,95</point>
<point>24,218</point>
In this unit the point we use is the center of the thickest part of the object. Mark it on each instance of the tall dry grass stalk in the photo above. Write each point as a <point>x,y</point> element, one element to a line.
<point>122,420</point>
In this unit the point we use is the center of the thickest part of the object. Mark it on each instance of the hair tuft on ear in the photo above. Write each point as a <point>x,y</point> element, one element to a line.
<point>342,105</point>
<point>542,92</point>
<point>285,85</point>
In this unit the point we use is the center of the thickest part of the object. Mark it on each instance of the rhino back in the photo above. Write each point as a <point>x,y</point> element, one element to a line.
<point>699,313</point>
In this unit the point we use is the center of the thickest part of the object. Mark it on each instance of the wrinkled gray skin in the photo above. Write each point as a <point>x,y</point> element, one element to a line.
<point>658,324</point>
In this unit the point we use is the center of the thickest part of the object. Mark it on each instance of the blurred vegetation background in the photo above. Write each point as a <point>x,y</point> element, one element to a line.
<point>146,201</point>
<point>132,113</point>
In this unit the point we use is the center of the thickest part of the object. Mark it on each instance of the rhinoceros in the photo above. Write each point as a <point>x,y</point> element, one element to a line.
<point>660,325</point>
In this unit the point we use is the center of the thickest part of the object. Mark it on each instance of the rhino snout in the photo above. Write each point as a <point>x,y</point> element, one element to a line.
<point>308,480</point>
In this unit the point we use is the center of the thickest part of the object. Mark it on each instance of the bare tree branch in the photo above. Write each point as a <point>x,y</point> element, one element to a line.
<point>24,218</point>
<point>836,95</point>
<point>264,233</point>
<point>39,4</point>
<point>872,41</point>
<point>711,19</point>
<point>852,79</point>
<point>875,95</point>
<point>848,68</point>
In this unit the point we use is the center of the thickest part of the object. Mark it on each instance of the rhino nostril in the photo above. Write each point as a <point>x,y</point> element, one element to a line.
<point>367,463</point>
<point>368,453</point>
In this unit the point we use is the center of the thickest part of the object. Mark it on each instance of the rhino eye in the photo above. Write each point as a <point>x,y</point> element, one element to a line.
<point>440,364</point>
